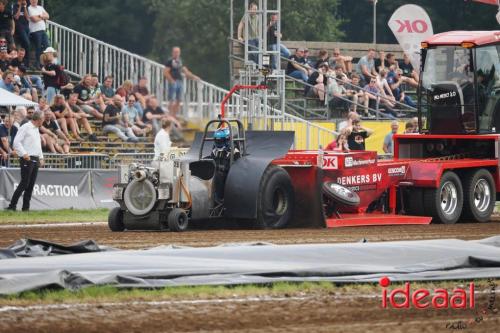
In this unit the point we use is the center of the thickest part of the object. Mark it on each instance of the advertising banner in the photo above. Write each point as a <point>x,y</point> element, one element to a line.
<point>102,187</point>
<point>411,25</point>
<point>54,189</point>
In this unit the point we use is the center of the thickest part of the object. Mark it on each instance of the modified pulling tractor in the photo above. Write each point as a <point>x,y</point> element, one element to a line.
<point>447,172</point>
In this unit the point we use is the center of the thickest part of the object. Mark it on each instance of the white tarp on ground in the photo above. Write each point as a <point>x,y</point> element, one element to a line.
<point>440,259</point>
<point>9,99</point>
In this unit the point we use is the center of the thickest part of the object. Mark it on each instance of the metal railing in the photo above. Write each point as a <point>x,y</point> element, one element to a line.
<point>82,54</point>
<point>69,161</point>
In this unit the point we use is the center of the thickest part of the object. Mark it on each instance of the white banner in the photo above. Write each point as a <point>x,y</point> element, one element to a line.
<point>411,25</point>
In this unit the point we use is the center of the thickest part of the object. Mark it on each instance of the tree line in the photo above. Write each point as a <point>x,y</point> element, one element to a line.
<point>201,27</point>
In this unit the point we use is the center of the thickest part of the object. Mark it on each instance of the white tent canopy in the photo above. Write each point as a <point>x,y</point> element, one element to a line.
<point>9,99</point>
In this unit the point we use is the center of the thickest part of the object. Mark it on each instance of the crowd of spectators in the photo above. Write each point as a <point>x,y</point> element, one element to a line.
<point>373,84</point>
<point>130,112</point>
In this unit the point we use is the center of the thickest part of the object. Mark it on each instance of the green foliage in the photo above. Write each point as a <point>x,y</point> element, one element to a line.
<point>201,27</point>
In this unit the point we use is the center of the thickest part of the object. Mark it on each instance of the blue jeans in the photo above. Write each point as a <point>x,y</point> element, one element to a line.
<point>23,36</point>
<point>253,45</point>
<point>41,41</point>
<point>299,75</point>
<point>408,101</point>
<point>37,82</point>
<point>284,52</point>
<point>175,89</point>
<point>50,93</point>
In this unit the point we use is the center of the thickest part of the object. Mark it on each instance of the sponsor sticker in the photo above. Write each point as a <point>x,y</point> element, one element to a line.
<point>350,162</point>
<point>330,163</point>
<point>397,171</point>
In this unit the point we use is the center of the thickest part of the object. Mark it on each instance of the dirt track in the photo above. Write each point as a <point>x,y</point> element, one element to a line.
<point>135,240</point>
<point>313,313</point>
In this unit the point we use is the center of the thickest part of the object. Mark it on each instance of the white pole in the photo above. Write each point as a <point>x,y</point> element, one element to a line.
<point>374,22</point>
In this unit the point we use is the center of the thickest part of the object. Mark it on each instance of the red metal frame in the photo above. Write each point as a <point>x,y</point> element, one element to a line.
<point>235,89</point>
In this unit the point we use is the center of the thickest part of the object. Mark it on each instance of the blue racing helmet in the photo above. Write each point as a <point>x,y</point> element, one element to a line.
<point>221,137</point>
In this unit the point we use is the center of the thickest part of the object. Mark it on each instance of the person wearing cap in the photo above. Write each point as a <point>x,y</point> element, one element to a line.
<point>28,145</point>
<point>50,71</point>
<point>37,17</point>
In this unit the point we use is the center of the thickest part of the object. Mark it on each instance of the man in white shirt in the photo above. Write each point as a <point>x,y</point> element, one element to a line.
<point>162,140</point>
<point>37,18</point>
<point>29,148</point>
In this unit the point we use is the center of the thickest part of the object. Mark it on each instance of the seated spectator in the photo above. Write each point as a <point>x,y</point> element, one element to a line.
<point>7,82</point>
<point>381,62</point>
<point>372,93</point>
<point>296,68</point>
<point>395,79</point>
<point>316,84</point>
<point>65,117</point>
<point>356,135</point>
<point>7,134</point>
<point>96,94</point>
<point>112,123</point>
<point>22,29</point>
<point>55,140</point>
<point>4,59</point>
<point>153,114</point>
<point>414,121</point>
<point>321,58</point>
<point>340,71</point>
<point>391,59</point>
<point>162,140</point>
<point>409,72</point>
<point>25,84</point>
<point>387,98</point>
<point>43,105</point>
<point>356,94</point>
<point>85,100</point>
<point>125,89</point>
<point>340,60</point>
<point>133,119</point>
<point>388,145</point>
<point>107,89</point>
<point>308,62</point>
<point>337,94</point>
<point>18,116</point>
<point>366,67</point>
<point>80,116</point>
<point>141,91</point>
<point>25,115</point>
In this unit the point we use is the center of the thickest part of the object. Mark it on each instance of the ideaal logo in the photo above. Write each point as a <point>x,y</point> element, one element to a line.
<point>458,298</point>
<point>400,298</point>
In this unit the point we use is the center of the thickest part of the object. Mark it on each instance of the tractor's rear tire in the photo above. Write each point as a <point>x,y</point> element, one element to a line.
<point>479,195</point>
<point>177,220</point>
<point>414,203</point>
<point>276,199</point>
<point>445,203</point>
<point>115,220</point>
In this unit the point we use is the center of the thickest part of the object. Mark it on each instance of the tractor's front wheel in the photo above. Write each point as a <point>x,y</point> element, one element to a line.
<point>445,203</point>
<point>177,220</point>
<point>115,220</point>
<point>276,199</point>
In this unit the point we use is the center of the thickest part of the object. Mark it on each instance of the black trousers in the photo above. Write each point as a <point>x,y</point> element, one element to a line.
<point>29,172</point>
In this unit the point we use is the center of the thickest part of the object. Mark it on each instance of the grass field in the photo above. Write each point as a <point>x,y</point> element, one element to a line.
<point>280,289</point>
<point>53,216</point>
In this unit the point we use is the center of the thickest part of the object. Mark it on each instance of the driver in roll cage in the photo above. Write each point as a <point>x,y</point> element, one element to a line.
<point>221,154</point>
